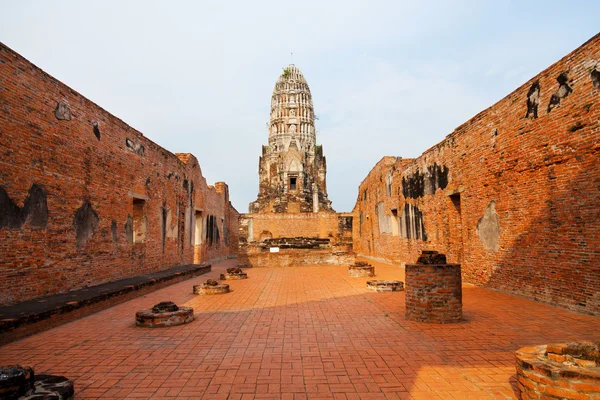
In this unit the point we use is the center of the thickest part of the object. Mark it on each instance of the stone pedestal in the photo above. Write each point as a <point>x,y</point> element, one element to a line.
<point>15,381</point>
<point>360,270</point>
<point>559,371</point>
<point>164,314</point>
<point>19,382</point>
<point>385,286</point>
<point>434,293</point>
<point>234,274</point>
<point>211,287</point>
<point>233,277</point>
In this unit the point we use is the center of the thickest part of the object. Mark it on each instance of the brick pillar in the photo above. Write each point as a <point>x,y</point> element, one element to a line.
<point>433,293</point>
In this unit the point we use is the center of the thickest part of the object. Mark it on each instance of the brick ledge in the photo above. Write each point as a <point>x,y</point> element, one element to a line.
<point>33,316</point>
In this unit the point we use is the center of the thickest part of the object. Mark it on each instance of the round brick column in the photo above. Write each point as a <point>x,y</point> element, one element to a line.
<point>559,371</point>
<point>433,293</point>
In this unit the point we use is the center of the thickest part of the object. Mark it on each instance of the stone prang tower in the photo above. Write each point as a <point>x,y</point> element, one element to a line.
<point>292,167</point>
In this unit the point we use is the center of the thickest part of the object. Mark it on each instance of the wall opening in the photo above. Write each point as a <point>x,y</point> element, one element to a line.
<point>198,227</point>
<point>163,227</point>
<point>140,221</point>
<point>388,183</point>
<point>395,222</point>
<point>455,228</point>
<point>455,198</point>
<point>212,230</point>
<point>293,183</point>
<point>411,223</point>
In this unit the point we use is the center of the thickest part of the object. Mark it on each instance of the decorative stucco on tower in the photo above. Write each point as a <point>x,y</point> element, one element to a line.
<point>292,167</point>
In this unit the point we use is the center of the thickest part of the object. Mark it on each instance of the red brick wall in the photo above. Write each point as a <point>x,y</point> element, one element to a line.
<point>282,225</point>
<point>92,163</point>
<point>254,228</point>
<point>538,177</point>
<point>254,256</point>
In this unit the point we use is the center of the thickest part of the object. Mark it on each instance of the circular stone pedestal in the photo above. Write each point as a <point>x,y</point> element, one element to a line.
<point>211,287</point>
<point>559,371</point>
<point>15,381</point>
<point>360,270</point>
<point>433,293</point>
<point>18,382</point>
<point>232,277</point>
<point>164,314</point>
<point>234,274</point>
<point>385,286</point>
<point>52,388</point>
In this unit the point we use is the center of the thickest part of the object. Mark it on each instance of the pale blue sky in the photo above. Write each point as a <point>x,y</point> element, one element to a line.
<point>387,77</point>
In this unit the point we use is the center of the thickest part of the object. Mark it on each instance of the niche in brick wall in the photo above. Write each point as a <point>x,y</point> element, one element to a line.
<point>198,231</point>
<point>411,224</point>
<point>140,221</point>
<point>34,210</point>
<point>563,91</point>
<point>488,228</point>
<point>419,184</point>
<point>86,222</point>
<point>384,220</point>
<point>533,100</point>
<point>212,230</point>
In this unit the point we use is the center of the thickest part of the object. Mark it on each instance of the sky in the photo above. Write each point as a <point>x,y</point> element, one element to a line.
<point>387,77</point>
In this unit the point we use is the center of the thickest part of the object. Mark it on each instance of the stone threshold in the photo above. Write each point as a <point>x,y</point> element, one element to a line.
<point>37,315</point>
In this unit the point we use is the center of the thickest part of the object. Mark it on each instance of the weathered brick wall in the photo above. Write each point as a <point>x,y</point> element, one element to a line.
<point>78,185</point>
<point>281,225</point>
<point>512,194</point>
<point>255,228</point>
<point>254,256</point>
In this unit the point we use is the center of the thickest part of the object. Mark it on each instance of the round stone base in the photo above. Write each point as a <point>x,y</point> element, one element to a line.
<point>52,388</point>
<point>385,286</point>
<point>152,319</point>
<point>565,371</point>
<point>233,277</point>
<point>361,270</point>
<point>221,288</point>
<point>19,382</point>
<point>15,381</point>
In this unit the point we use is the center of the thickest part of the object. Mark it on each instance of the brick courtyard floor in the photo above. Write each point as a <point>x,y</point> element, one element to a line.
<point>308,332</point>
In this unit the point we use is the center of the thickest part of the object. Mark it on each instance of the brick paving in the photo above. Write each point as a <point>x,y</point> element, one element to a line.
<point>296,333</point>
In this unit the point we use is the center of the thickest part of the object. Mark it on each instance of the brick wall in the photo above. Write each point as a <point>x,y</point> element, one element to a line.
<point>86,199</point>
<point>513,194</point>
<point>282,225</point>
<point>254,256</point>
<point>255,228</point>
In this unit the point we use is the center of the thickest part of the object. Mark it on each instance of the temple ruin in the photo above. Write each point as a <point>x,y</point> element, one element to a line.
<point>292,221</point>
<point>93,215</point>
<point>292,169</point>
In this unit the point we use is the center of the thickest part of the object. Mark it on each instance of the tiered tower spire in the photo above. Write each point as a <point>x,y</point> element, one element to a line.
<point>292,168</point>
